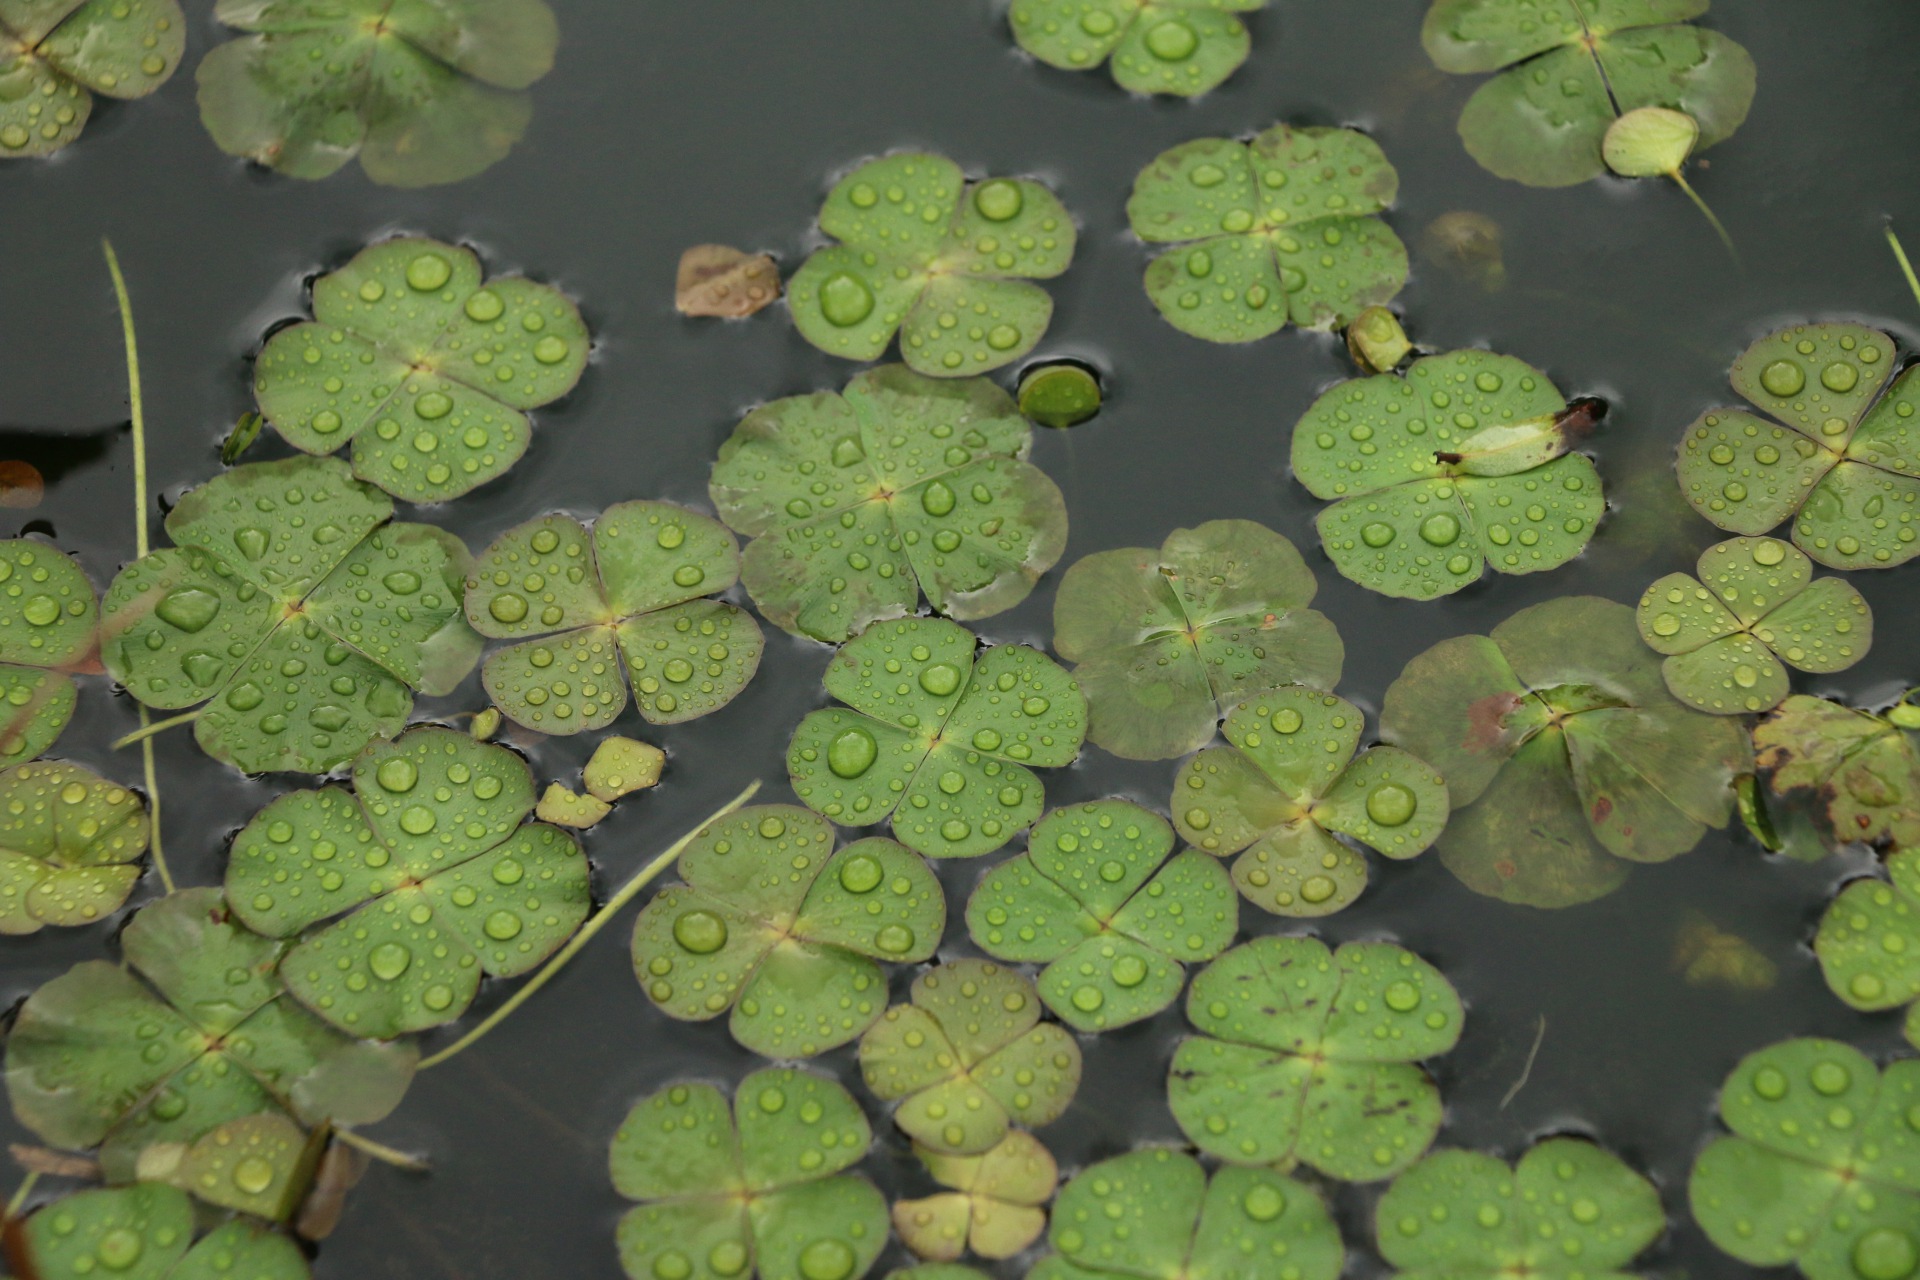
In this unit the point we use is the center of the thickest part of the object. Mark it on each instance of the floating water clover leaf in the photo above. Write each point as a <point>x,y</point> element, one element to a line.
<point>946,263</point>
<point>635,593</point>
<point>771,923</point>
<point>1569,69</point>
<point>1863,770</point>
<point>425,368</point>
<point>48,624</point>
<point>1288,785</point>
<point>1820,1170</point>
<point>757,1188</point>
<point>55,54</point>
<point>423,93</point>
<point>1154,1212</point>
<point>969,1058</point>
<point>1182,47</point>
<point>1846,466</point>
<point>995,1206</point>
<point>70,845</point>
<point>261,1164</point>
<point>1753,608</point>
<point>1283,229</point>
<point>1308,1056</point>
<point>857,503</point>
<point>197,1031</point>
<point>428,864</point>
<point>145,1232</point>
<point>937,736</point>
<point>1563,753</point>
<point>1569,1208</point>
<point>937,1271</point>
<point>1115,920</point>
<point>1461,464</point>
<point>1866,936</point>
<point>298,609</point>
<point>1169,640</point>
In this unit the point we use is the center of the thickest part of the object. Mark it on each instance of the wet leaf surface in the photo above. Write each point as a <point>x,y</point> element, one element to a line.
<point>1865,937</point>
<point>427,370</point>
<point>56,54</point>
<point>995,1206</point>
<point>296,611</point>
<point>771,924</point>
<point>633,595</point>
<point>1860,771</point>
<point>48,623</point>
<point>432,877</point>
<point>145,1232</point>
<point>858,503</point>
<point>1098,900</point>
<point>70,846</point>
<point>1169,640</point>
<point>937,735</point>
<point>719,280</point>
<point>621,766</point>
<point>1182,48</point>
<point>1564,754</point>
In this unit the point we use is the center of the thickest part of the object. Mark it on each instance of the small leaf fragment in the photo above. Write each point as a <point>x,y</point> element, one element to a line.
<point>719,280</point>
<point>621,766</point>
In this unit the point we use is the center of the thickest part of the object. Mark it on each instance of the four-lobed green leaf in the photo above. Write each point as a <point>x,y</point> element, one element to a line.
<point>969,1057</point>
<point>1279,229</point>
<point>1097,899</point>
<point>1861,770</point>
<point>1840,460</point>
<point>296,611</point>
<point>56,54</point>
<point>994,1205</point>
<point>1869,940</point>
<point>145,1232</point>
<point>70,846</point>
<point>859,502</point>
<point>1458,465</point>
<point>634,593</point>
<point>49,624</point>
<point>1570,68</point>
<point>1564,754</point>
<point>1169,640</point>
<point>1307,1055</point>
<point>1288,785</point>
<point>937,736</point>
<point>1755,609</point>
<point>755,1187</point>
<point>432,875</point>
<point>425,368</point>
<point>1181,47</point>
<point>945,263</point>
<point>775,926</point>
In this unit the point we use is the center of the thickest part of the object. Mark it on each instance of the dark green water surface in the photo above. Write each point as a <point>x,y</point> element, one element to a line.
<point>668,123</point>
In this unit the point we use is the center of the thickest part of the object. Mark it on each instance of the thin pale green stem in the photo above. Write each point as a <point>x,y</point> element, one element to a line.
<point>382,1152</point>
<point>1906,267</point>
<point>1712,221</point>
<point>141,546</point>
<point>146,731</point>
<point>628,891</point>
<point>19,1201</point>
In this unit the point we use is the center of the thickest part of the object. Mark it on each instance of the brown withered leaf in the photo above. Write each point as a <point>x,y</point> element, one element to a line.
<point>53,1164</point>
<point>21,486</point>
<point>720,280</point>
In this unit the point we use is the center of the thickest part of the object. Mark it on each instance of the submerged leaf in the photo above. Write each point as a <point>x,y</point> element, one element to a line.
<point>945,263</point>
<point>1180,47</point>
<point>719,280</point>
<point>196,1032</point>
<point>996,1206</point>
<point>1115,920</point>
<point>1289,785</point>
<point>55,54</point>
<point>70,845</point>
<point>937,736</point>
<point>298,609</point>
<point>1569,1208</point>
<point>1845,467</point>
<point>1466,244</point>
<point>858,503</point>
<point>635,593</point>
<point>143,1233</point>
<point>433,878</point>
<point>1153,1212</point>
<point>775,926</point>
<point>1862,770</point>
<point>49,623</point>
<point>1753,607</point>
<point>1707,955</point>
<point>1458,466</point>
<point>425,369</point>
<point>759,1183</point>
<point>1568,72</point>
<point>1170,640</point>
<point>1563,753</point>
<point>1309,1055</point>
<point>1818,1171</point>
<point>1866,936</point>
<point>1276,229</point>
<point>969,1058</point>
<point>423,93</point>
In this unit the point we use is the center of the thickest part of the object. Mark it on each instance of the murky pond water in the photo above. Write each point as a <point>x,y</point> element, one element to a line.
<point>669,124</point>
